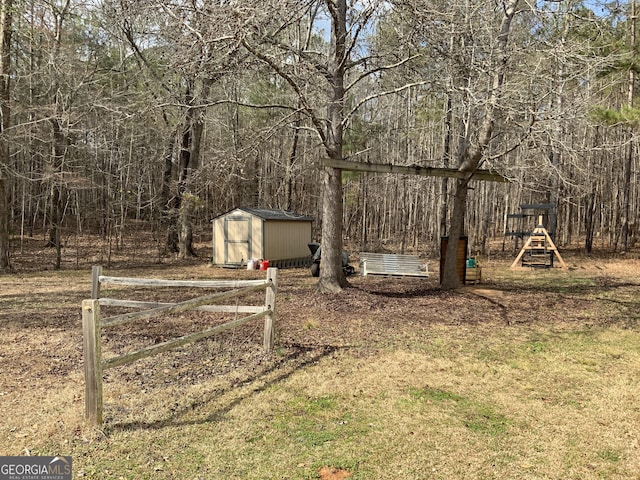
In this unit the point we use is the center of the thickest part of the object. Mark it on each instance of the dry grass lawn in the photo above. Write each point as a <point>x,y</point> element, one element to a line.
<point>532,375</point>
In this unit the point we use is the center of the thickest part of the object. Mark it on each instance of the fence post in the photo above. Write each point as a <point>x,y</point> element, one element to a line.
<point>270,303</point>
<point>92,361</point>
<point>96,271</point>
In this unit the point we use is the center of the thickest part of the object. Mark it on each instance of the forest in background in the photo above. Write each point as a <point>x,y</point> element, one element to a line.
<point>122,115</point>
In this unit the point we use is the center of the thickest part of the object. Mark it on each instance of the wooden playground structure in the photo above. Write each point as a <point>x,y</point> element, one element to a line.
<point>539,250</point>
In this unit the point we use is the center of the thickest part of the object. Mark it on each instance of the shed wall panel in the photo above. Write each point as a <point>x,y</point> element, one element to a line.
<point>218,241</point>
<point>257,232</point>
<point>284,240</point>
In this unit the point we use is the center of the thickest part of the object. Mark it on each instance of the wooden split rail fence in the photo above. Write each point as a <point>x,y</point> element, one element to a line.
<point>93,324</point>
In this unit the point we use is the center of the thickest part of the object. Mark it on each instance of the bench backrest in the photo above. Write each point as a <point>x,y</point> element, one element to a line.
<point>390,264</point>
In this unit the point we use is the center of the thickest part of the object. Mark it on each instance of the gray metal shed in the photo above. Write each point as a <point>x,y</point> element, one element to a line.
<point>279,236</point>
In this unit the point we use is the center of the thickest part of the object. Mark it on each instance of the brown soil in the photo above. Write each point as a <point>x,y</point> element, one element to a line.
<point>329,473</point>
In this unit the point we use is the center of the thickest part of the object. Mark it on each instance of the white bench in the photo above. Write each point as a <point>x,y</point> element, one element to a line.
<point>391,264</point>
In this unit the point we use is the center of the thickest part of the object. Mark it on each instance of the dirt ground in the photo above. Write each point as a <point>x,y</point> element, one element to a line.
<point>42,387</point>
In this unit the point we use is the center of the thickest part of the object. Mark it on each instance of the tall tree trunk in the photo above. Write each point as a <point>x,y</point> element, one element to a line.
<point>288,179</point>
<point>167,223</point>
<point>626,198</point>
<point>183,208</point>
<point>5,95</point>
<point>589,222</point>
<point>446,156</point>
<point>471,154</point>
<point>626,194</point>
<point>58,152</point>
<point>189,162</point>
<point>332,278</point>
<point>58,145</point>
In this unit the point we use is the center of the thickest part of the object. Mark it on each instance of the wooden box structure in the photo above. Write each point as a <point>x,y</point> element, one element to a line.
<point>473,273</point>
<point>461,257</point>
<point>258,233</point>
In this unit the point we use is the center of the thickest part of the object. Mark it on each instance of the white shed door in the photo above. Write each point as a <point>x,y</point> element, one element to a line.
<point>237,239</point>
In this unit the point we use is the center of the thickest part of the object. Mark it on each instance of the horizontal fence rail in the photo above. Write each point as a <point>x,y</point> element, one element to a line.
<point>92,323</point>
<point>158,282</point>
<point>180,307</point>
<point>114,302</point>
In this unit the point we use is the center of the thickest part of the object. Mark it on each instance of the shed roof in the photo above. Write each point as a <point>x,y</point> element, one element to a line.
<point>274,214</point>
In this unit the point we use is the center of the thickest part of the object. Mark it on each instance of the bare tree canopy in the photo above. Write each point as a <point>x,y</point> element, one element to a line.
<point>128,116</point>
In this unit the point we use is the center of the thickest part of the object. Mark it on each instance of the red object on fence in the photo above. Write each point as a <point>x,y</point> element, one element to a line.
<point>264,264</point>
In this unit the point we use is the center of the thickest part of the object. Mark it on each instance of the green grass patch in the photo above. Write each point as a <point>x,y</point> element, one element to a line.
<point>484,419</point>
<point>610,455</point>
<point>433,395</point>
<point>478,417</point>
<point>536,346</point>
<point>313,421</point>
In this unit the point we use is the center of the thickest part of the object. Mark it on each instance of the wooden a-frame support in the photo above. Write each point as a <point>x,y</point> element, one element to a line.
<point>539,234</point>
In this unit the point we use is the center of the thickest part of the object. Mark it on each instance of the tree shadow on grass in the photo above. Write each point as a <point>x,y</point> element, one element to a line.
<point>275,372</point>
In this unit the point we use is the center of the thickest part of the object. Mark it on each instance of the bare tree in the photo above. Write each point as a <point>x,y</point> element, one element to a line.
<point>198,49</point>
<point>477,62</point>
<point>6,11</point>
<point>336,72</point>
<point>628,164</point>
